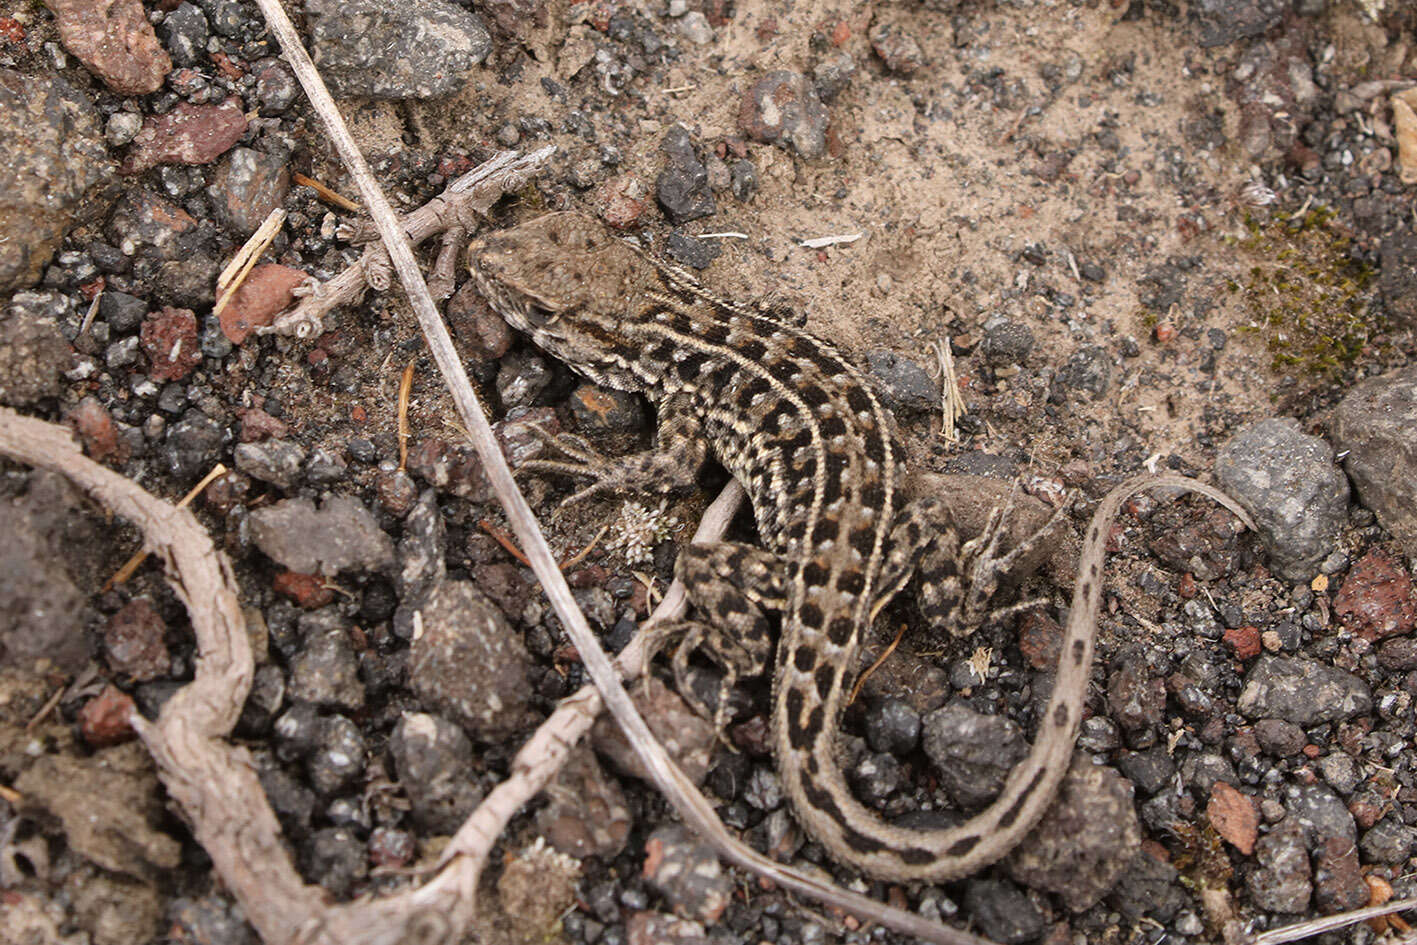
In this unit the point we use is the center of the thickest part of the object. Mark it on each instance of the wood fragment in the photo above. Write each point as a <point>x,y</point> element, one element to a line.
<point>326,194</point>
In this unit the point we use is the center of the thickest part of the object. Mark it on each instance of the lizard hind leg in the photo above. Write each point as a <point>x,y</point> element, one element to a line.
<point>733,587</point>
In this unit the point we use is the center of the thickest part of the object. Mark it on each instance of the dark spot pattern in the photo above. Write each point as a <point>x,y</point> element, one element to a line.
<point>1011,815</point>
<point>841,631</point>
<point>860,842</point>
<point>961,846</point>
<point>804,658</point>
<point>826,679</point>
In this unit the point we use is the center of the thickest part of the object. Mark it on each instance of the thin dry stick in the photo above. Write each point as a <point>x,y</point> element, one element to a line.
<point>1292,933</point>
<point>691,805</point>
<point>458,205</point>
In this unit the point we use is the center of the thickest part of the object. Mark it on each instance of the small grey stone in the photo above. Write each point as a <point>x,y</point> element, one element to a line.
<point>904,384</point>
<point>1320,813</point>
<point>338,761</point>
<point>1089,369</point>
<point>337,858</point>
<point>972,753</point>
<point>1280,738</point>
<point>184,32</point>
<point>1150,770</point>
<point>1340,771</point>
<point>1373,425</point>
<point>395,49</point>
<point>433,761</point>
<point>1303,692</point>
<point>586,814</point>
<point>325,671</point>
<point>1088,836</point>
<point>1287,480</point>
<point>893,725</point>
<point>1389,842</point>
<point>1203,770</point>
<point>342,536</point>
<point>468,663</point>
<point>1002,911</point>
<point>1283,882</point>
<point>193,445</point>
<point>275,461</point>
<point>421,552</point>
<point>1006,341</point>
<point>682,188</point>
<point>782,108</point>
<point>687,873</point>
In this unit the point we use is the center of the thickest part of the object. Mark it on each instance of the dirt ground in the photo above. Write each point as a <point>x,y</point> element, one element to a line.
<point>1122,182</point>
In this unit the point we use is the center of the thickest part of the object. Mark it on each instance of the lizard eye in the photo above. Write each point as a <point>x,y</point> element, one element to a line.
<point>539,317</point>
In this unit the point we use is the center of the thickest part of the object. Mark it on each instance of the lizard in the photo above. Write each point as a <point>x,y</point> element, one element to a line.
<point>821,461</point>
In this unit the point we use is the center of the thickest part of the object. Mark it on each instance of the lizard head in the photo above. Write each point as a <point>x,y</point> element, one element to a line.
<point>564,279</point>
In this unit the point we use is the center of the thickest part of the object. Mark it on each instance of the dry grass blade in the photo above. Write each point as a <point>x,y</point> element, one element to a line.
<point>1300,930</point>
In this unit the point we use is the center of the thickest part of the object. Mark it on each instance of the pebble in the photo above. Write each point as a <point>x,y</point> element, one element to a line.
<point>782,108</point>
<point>1303,692</point>
<point>972,753</point>
<point>1135,699</point>
<point>1377,598</point>
<point>212,920</point>
<point>325,671</point>
<point>1087,837</point>
<point>898,49</point>
<point>263,702</point>
<point>452,469</point>
<point>905,386</point>
<point>115,42</point>
<point>189,134</point>
<point>133,641</point>
<point>184,32</point>
<point>193,445</point>
<point>341,536</point>
<point>586,813</point>
<point>892,726</point>
<point>393,50</point>
<point>246,187</point>
<point>1338,880</point>
<point>1006,342</point>
<point>334,857</point>
<point>278,462</point>
<point>123,312</point>
<point>522,378</point>
<point>33,357</point>
<point>696,29</point>
<point>96,430</point>
<point>682,188</point>
<point>1151,770</point>
<point>103,720</point>
<point>685,735</point>
<point>468,664</point>
<point>1389,842</point>
<point>1003,912</point>
<point>1288,482</point>
<point>1373,425</point>
<point>692,252</point>
<point>1089,369</point>
<point>1280,738</point>
<point>276,87</point>
<point>1150,886</point>
<point>338,760</point>
<point>833,74</point>
<point>1283,882</point>
<point>687,873</point>
<point>656,928</point>
<point>433,761</point>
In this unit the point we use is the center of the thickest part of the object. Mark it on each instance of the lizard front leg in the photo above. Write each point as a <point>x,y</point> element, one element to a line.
<point>672,464</point>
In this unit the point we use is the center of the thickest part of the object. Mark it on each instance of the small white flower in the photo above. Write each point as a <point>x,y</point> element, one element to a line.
<point>639,529</point>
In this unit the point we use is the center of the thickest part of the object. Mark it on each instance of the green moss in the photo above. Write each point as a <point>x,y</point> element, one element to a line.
<point>1304,294</point>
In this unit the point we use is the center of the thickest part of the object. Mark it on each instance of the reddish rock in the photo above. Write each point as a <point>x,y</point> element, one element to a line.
<point>1234,816</point>
<point>621,201</point>
<point>1244,642</point>
<point>451,468</point>
<point>782,108</point>
<point>95,427</point>
<point>1377,598</point>
<point>104,719</point>
<point>1338,880</point>
<point>114,41</point>
<point>267,291</point>
<point>169,339</point>
<point>481,334</point>
<point>134,642</point>
<point>189,134</point>
<point>1040,640</point>
<point>256,425</point>
<point>305,590</point>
